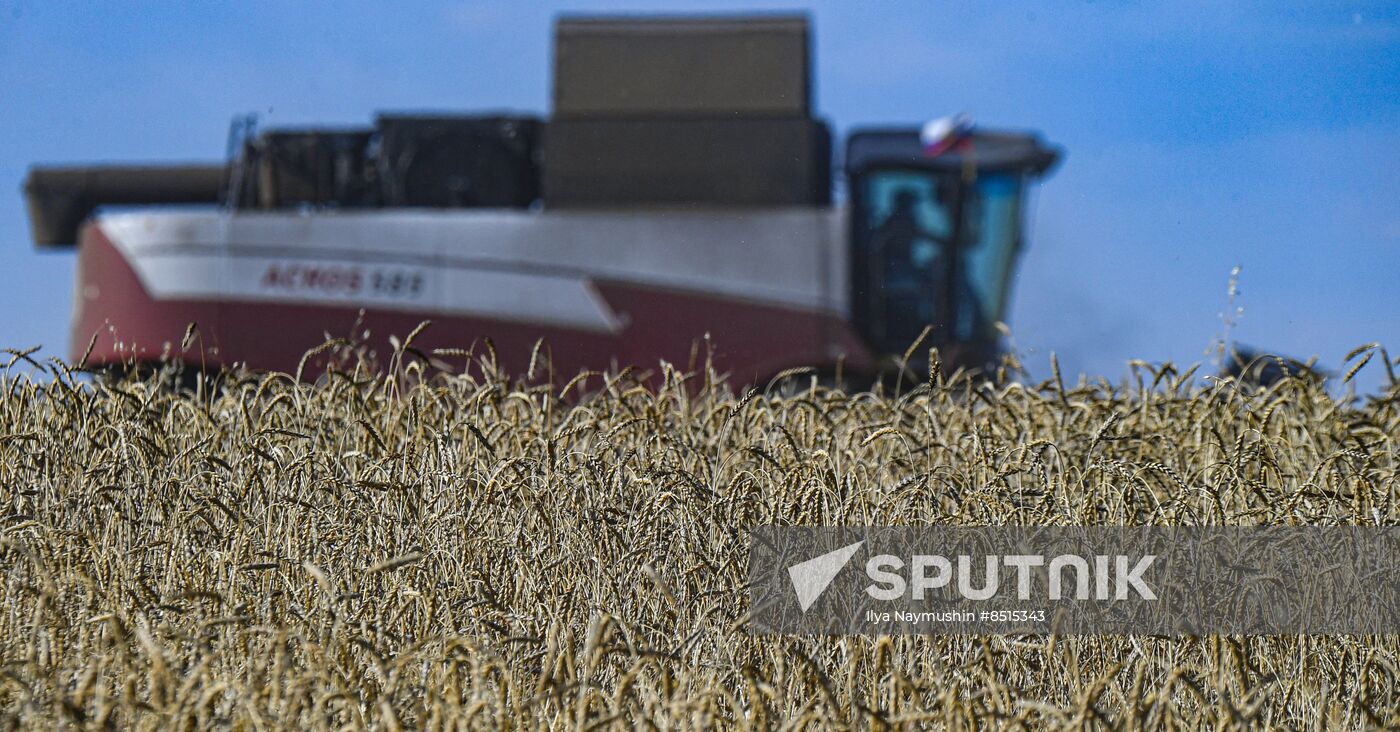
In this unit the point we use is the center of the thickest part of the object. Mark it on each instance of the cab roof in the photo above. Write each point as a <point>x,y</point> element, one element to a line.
<point>989,150</point>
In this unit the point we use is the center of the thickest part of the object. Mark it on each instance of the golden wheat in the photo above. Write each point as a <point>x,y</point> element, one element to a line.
<point>444,547</point>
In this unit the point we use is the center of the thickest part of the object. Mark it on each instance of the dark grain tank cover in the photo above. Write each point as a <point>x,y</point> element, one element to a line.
<point>293,168</point>
<point>665,161</point>
<point>458,161</point>
<point>707,66</point>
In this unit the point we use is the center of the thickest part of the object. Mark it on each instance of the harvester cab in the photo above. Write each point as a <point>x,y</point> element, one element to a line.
<point>935,229</point>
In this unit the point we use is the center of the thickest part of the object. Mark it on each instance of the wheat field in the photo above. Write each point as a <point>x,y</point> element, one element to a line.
<point>448,546</point>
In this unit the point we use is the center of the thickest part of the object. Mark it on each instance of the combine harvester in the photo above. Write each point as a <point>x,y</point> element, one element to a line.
<point>681,190</point>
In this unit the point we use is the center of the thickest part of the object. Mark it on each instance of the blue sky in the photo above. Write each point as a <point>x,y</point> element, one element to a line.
<point>1200,135</point>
